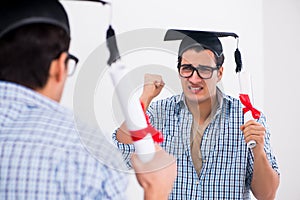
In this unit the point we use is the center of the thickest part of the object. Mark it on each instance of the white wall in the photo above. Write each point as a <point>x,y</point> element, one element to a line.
<point>260,27</point>
<point>281,68</point>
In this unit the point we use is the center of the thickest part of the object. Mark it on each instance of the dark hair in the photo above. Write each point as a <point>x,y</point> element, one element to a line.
<point>26,53</point>
<point>219,60</point>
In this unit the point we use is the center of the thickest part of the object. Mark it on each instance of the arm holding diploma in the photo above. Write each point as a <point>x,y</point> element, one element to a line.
<point>265,179</point>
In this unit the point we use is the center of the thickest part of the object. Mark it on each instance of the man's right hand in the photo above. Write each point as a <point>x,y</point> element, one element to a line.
<point>156,176</point>
<point>153,84</point>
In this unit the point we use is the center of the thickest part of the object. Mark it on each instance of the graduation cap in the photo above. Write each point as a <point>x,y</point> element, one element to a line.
<point>17,13</point>
<point>206,39</point>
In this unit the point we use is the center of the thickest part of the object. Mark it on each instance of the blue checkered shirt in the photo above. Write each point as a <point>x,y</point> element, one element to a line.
<point>227,162</point>
<point>42,155</point>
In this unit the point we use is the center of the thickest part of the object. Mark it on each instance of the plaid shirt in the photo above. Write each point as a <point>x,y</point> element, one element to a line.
<point>41,154</point>
<point>227,162</point>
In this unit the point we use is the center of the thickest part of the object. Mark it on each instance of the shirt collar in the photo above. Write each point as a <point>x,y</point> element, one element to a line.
<point>222,98</point>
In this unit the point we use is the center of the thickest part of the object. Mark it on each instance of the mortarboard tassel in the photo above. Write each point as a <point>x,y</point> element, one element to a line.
<point>245,92</point>
<point>238,60</point>
<point>112,45</point>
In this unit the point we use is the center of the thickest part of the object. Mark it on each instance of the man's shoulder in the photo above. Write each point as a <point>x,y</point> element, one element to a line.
<point>230,100</point>
<point>171,100</point>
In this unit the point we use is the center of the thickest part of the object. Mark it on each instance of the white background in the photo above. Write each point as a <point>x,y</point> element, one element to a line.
<point>269,42</point>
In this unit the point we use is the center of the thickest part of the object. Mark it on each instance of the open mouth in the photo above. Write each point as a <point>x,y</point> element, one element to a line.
<point>195,89</point>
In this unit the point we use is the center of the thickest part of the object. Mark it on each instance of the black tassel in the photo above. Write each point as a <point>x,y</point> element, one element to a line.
<point>111,43</point>
<point>238,60</point>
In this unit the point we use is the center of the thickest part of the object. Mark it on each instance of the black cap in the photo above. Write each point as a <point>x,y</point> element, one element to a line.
<point>190,38</point>
<point>207,39</point>
<point>17,13</point>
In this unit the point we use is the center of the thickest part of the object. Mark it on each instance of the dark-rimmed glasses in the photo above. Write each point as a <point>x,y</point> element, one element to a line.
<point>204,72</point>
<point>72,63</point>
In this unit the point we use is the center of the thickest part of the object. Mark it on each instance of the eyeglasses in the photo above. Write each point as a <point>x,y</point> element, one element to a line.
<point>71,63</point>
<point>204,72</point>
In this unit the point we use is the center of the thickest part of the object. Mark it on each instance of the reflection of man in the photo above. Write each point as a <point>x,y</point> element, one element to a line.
<point>41,152</point>
<point>204,129</point>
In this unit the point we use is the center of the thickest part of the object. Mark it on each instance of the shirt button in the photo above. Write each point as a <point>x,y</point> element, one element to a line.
<point>197,182</point>
<point>204,161</point>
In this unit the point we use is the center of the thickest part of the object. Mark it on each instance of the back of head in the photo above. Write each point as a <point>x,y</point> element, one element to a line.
<point>32,34</point>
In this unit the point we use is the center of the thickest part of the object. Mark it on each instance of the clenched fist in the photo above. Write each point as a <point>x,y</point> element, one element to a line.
<point>153,84</point>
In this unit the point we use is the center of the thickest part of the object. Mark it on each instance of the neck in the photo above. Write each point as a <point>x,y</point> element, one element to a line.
<point>202,110</point>
<point>52,91</point>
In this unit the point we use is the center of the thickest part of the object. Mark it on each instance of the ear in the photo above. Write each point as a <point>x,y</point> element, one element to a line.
<point>58,69</point>
<point>220,73</point>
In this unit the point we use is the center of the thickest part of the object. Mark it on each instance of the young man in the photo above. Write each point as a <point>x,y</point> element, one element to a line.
<point>204,128</point>
<point>41,147</point>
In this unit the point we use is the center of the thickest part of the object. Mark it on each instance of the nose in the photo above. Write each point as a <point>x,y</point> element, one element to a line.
<point>195,78</point>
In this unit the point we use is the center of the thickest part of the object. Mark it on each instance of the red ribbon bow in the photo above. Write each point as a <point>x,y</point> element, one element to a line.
<point>248,106</point>
<point>140,134</point>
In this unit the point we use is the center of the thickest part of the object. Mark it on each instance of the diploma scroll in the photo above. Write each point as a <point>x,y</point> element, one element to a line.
<point>246,97</point>
<point>142,133</point>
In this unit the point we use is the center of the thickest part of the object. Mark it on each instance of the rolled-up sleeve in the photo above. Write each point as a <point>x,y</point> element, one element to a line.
<point>270,154</point>
<point>125,149</point>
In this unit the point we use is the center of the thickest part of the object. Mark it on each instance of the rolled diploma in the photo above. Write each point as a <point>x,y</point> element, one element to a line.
<point>246,88</point>
<point>134,115</point>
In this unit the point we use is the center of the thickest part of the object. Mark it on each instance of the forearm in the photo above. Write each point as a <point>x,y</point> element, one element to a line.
<point>146,101</point>
<point>123,134</point>
<point>265,180</point>
<point>155,195</point>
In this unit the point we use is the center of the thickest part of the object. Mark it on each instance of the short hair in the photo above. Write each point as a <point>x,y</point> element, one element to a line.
<point>27,52</point>
<point>219,60</point>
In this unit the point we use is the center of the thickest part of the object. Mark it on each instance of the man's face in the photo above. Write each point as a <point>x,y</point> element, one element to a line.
<point>196,89</point>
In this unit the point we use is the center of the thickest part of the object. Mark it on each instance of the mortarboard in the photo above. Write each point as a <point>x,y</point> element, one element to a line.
<point>17,13</point>
<point>206,39</point>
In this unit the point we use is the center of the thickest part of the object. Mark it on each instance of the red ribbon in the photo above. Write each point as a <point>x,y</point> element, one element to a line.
<point>248,106</point>
<point>140,134</point>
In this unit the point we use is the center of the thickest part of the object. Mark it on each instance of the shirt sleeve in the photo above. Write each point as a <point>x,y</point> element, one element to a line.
<point>151,114</point>
<point>270,154</point>
<point>114,184</point>
<point>83,177</point>
<point>125,149</point>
